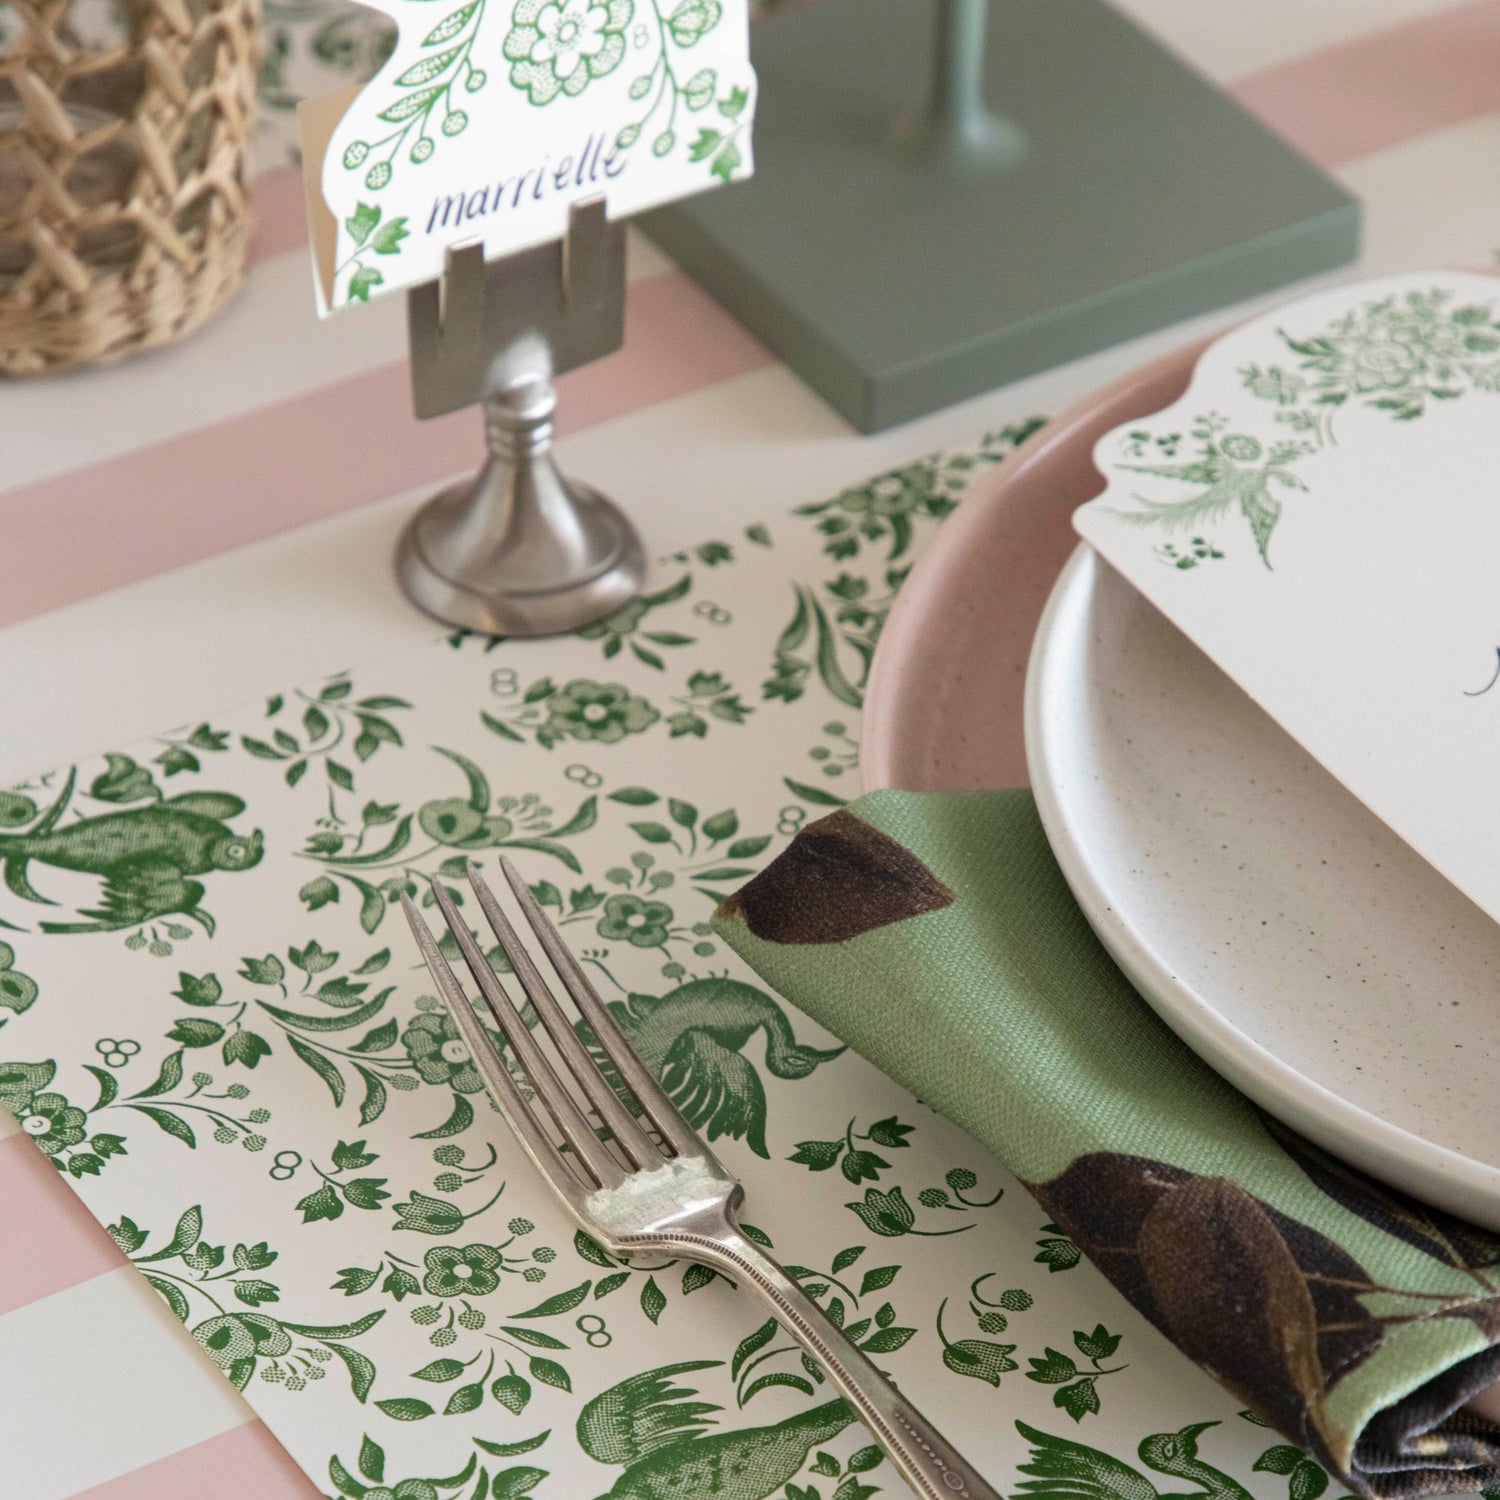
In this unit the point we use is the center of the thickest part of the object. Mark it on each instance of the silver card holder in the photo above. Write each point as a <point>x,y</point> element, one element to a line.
<point>519,549</point>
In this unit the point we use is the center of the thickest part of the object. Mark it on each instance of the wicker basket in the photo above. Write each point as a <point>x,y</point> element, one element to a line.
<point>124,206</point>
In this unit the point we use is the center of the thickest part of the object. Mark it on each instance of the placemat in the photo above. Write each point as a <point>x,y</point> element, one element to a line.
<point>237,1062</point>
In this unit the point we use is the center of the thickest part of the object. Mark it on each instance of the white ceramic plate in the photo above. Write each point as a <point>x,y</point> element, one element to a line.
<point>1284,932</point>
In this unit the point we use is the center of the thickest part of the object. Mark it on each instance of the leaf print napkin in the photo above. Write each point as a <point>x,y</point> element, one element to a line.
<point>935,934</point>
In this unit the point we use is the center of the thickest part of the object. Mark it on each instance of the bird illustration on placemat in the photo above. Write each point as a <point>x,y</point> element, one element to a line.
<point>147,856</point>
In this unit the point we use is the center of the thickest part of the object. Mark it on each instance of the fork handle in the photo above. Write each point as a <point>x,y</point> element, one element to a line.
<point>925,1458</point>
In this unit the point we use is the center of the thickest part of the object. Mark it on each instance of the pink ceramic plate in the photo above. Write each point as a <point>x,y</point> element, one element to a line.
<point>1285,933</point>
<point>943,711</point>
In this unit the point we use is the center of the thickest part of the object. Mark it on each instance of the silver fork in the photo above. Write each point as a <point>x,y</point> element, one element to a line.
<point>667,1193</point>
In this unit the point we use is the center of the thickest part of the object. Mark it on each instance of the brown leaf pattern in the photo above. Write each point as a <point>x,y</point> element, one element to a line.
<point>837,879</point>
<point>1276,1311</point>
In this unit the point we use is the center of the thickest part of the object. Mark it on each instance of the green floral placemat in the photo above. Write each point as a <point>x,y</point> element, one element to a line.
<point>215,1026</point>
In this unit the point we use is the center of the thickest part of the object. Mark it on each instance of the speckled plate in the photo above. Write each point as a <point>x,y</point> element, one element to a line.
<point>1272,921</point>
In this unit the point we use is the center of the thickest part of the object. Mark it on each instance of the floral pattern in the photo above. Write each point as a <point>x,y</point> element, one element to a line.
<point>1395,356</point>
<point>438,1053</point>
<point>559,46</point>
<point>296,1151</point>
<point>604,712</point>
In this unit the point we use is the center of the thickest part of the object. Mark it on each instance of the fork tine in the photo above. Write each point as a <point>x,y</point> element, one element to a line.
<point>539,1072</point>
<point>659,1109</point>
<point>502,1087</point>
<point>637,1145</point>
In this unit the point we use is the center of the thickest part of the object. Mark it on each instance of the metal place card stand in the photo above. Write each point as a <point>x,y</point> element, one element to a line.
<point>519,550</point>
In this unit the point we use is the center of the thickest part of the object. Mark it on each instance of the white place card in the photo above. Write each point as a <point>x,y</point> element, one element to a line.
<point>1320,513</point>
<point>492,117</point>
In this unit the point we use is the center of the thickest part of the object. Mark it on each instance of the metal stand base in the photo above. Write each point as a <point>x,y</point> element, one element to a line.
<point>901,251</point>
<point>518,611</point>
<point>519,550</point>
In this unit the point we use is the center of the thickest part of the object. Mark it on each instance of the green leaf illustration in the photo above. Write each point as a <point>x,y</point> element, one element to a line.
<point>267,970</point>
<point>361,284</point>
<point>1099,1344</point>
<point>198,990</point>
<point>1053,1369</point>
<point>724,165</point>
<point>549,1372</point>
<point>891,1132</point>
<point>246,1048</point>
<point>512,1391</point>
<point>698,91</point>
<point>372,1460</point>
<point>170,1294</point>
<point>194,1031</point>
<point>1281,1459</point>
<point>173,1124</point>
<point>536,1338</point>
<point>514,1450</point>
<point>364,218</point>
<point>464,1399</point>
<point>1079,1400</point>
<point>887,1340</point>
<point>817,1156</point>
<point>167,1078</point>
<point>863,1166</point>
<point>320,1065</point>
<point>405,1408</point>
<point>324,1203</point>
<point>653,1299</point>
<point>561,1303</point>
<point>516,1483</point>
<point>450,26</point>
<point>752,1344</point>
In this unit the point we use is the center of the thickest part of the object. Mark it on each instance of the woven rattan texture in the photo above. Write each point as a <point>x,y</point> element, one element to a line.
<point>124,204</point>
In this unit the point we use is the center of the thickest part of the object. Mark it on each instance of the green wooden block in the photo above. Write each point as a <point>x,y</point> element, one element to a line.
<point>1128,193</point>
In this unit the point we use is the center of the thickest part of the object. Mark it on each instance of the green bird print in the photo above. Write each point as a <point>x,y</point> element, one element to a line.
<point>691,1039</point>
<point>1065,1470</point>
<point>656,1430</point>
<point>147,858</point>
<point>1235,473</point>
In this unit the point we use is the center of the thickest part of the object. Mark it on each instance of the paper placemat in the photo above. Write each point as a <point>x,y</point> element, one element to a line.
<point>215,1025</point>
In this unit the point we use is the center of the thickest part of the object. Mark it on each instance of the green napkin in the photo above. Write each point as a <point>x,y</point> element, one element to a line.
<point>935,934</point>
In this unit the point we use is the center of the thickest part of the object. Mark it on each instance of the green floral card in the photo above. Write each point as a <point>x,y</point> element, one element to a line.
<point>492,117</point>
<point>1320,513</point>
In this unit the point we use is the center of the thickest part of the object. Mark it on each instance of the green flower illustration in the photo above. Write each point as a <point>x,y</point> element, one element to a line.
<point>461,1270</point>
<point>240,1336</point>
<point>602,711</point>
<point>559,47</point>
<point>895,494</point>
<point>456,822</point>
<point>438,1053</point>
<point>1380,362</point>
<point>53,1123</point>
<point>629,919</point>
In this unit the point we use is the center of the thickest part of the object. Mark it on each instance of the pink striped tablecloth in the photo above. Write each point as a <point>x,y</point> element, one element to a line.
<point>193,477</point>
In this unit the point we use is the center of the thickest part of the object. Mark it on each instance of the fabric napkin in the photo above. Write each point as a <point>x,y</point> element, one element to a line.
<point>935,934</point>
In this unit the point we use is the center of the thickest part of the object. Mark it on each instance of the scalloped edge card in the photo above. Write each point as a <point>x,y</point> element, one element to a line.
<point>492,117</point>
<point>1320,514</point>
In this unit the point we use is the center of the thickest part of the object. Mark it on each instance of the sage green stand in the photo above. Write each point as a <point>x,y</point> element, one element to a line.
<point>902,248</point>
